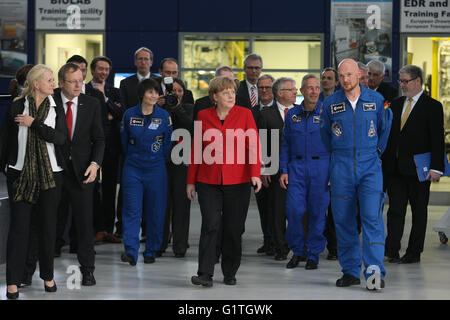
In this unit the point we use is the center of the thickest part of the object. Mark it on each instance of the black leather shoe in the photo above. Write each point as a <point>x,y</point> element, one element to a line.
<point>229,281</point>
<point>149,259</point>
<point>126,257</point>
<point>279,256</point>
<point>261,249</point>
<point>50,289</point>
<point>88,279</point>
<point>347,280</point>
<point>294,261</point>
<point>179,255</point>
<point>394,259</point>
<point>407,258</point>
<point>310,265</point>
<point>202,280</point>
<point>158,254</point>
<point>332,256</point>
<point>13,295</point>
<point>382,285</point>
<point>270,251</point>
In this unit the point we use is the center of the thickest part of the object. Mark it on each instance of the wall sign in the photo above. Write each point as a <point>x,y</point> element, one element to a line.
<point>425,16</point>
<point>70,14</point>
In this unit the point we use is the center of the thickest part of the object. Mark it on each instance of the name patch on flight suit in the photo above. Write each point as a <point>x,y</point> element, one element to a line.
<point>372,132</point>
<point>369,107</point>
<point>155,124</point>
<point>337,129</point>
<point>296,118</point>
<point>316,119</point>
<point>137,122</point>
<point>337,108</point>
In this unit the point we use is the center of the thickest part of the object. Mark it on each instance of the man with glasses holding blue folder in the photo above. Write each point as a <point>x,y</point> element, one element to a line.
<point>417,128</point>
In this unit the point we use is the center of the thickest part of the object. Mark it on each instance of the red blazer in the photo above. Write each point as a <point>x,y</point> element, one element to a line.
<point>225,155</point>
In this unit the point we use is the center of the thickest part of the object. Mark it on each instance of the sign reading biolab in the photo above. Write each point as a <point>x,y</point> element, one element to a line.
<point>70,14</point>
<point>425,16</point>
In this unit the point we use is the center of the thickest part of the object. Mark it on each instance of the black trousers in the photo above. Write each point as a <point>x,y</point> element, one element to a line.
<point>401,189</point>
<point>178,209</point>
<point>262,201</point>
<point>223,207</point>
<point>44,214</point>
<point>277,214</point>
<point>330,232</point>
<point>80,199</point>
<point>105,198</point>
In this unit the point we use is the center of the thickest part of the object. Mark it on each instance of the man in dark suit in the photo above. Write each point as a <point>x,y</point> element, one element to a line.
<point>272,119</point>
<point>376,76</point>
<point>247,93</point>
<point>92,92</point>
<point>105,216</point>
<point>143,60</point>
<point>266,100</point>
<point>206,102</point>
<point>417,127</point>
<point>83,154</point>
<point>169,68</point>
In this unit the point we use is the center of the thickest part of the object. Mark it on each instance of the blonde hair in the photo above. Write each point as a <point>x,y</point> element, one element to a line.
<point>219,84</point>
<point>36,73</point>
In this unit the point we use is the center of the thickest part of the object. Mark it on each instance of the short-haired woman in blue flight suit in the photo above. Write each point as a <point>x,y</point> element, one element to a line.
<point>146,139</point>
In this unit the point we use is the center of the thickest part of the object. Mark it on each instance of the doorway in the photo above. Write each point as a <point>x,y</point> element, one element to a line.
<point>55,48</point>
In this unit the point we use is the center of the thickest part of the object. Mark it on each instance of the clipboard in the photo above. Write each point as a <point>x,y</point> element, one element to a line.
<point>423,161</point>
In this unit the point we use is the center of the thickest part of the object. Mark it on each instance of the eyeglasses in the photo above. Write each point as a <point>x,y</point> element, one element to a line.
<point>406,81</point>
<point>72,82</point>
<point>292,90</point>
<point>254,68</point>
<point>265,88</point>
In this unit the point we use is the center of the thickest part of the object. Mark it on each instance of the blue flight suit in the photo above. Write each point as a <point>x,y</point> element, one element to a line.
<point>306,161</point>
<point>356,140</point>
<point>146,142</point>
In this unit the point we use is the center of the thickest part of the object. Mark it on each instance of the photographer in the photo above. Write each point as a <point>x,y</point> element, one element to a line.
<point>169,69</point>
<point>178,205</point>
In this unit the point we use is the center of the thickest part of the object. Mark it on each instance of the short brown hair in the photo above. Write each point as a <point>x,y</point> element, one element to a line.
<point>68,67</point>
<point>219,84</point>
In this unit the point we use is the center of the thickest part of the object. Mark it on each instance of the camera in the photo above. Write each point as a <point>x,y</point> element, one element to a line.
<point>171,98</point>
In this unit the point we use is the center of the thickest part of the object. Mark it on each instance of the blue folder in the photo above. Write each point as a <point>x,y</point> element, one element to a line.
<point>423,162</point>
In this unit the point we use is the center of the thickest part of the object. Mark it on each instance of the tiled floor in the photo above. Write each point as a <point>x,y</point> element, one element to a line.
<point>259,277</point>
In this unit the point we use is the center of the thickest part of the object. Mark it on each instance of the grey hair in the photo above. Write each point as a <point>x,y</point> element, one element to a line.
<point>362,66</point>
<point>219,70</point>
<point>277,86</point>
<point>309,76</point>
<point>376,65</point>
<point>253,56</point>
<point>413,71</point>
<point>265,76</point>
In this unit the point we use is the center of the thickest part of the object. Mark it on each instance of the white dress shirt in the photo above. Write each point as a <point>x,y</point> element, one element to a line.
<point>23,138</point>
<point>74,110</point>
<point>281,109</point>
<point>413,103</point>
<point>249,87</point>
<point>140,78</point>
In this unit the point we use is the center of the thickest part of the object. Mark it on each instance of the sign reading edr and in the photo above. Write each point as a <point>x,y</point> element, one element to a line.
<point>424,4</point>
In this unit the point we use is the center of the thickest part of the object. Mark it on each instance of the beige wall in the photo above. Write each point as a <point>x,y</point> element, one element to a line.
<point>60,47</point>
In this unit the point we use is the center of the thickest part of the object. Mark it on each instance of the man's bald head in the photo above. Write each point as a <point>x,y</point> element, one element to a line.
<point>349,74</point>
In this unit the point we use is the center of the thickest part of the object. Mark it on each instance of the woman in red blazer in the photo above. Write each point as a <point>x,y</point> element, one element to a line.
<point>225,162</point>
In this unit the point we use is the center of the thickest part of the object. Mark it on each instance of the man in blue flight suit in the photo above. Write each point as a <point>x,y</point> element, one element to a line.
<point>355,129</point>
<point>304,165</point>
<point>146,139</point>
